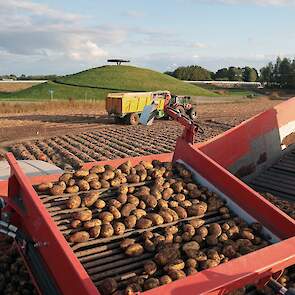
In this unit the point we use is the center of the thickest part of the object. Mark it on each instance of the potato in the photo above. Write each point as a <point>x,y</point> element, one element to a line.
<point>108,175</point>
<point>233,231</point>
<point>171,230</point>
<point>151,283</point>
<point>83,185</point>
<point>229,251</point>
<point>119,228</point>
<point>179,197</point>
<point>56,190</point>
<point>90,198</point>
<point>197,223</point>
<point>177,264</point>
<point>157,219</point>
<point>133,178</point>
<point>134,250</point>
<point>177,187</point>
<point>116,213</point>
<point>92,223</point>
<point>72,189</point>
<point>95,231</point>
<point>126,243</point>
<point>106,230</point>
<point>139,213</point>
<point>176,274</point>
<point>150,267</point>
<point>157,194</point>
<point>75,223</point>
<point>167,254</point>
<point>162,204</point>
<point>159,181</point>
<point>125,168</point>
<point>202,231</point>
<point>214,203</point>
<point>149,245</point>
<point>100,204</point>
<point>181,212</point>
<point>144,223</point>
<point>209,263</point>
<point>115,203</point>
<point>191,249</point>
<point>81,173</point>
<point>197,209</point>
<point>123,189</point>
<point>131,289</point>
<point>84,215</point>
<point>131,189</point>
<point>191,263</point>
<point>105,184</point>
<point>173,204</point>
<point>43,187</point>
<point>213,254</point>
<point>189,229</point>
<point>222,238</point>
<point>185,204</point>
<point>150,201</point>
<point>74,202</point>
<point>130,221</point>
<point>147,165</point>
<point>170,212</point>
<point>116,182</point>
<point>247,235</point>
<point>106,217</point>
<point>223,210</point>
<point>79,237</point>
<point>97,169</point>
<point>159,240</point>
<point>126,209</point>
<point>225,227</point>
<point>215,229</point>
<point>164,280</point>
<point>108,286</point>
<point>141,205</point>
<point>211,240</point>
<point>191,186</point>
<point>91,177</point>
<point>62,184</point>
<point>65,177</point>
<point>243,243</point>
<point>167,193</point>
<point>143,191</point>
<point>133,200</point>
<point>166,185</point>
<point>95,184</point>
<point>122,198</point>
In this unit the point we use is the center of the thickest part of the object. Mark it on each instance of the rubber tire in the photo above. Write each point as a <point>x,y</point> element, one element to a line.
<point>193,114</point>
<point>133,119</point>
<point>119,120</point>
<point>181,110</point>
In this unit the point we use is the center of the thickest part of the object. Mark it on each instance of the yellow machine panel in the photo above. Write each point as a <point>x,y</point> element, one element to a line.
<point>125,103</point>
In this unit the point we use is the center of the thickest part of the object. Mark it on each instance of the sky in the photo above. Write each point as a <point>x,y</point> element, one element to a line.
<point>62,37</point>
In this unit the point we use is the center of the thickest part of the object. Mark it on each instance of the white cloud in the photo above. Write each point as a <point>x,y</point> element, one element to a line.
<point>87,51</point>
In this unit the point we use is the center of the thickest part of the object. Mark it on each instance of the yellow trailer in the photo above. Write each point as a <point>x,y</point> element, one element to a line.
<point>129,106</point>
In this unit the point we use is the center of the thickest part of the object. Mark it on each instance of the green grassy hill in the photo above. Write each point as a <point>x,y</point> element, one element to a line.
<point>97,82</point>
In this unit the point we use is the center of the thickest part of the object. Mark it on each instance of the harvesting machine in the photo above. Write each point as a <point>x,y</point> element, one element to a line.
<point>229,164</point>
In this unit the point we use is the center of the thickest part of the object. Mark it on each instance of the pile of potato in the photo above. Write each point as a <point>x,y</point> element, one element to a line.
<point>14,278</point>
<point>169,194</point>
<point>186,249</point>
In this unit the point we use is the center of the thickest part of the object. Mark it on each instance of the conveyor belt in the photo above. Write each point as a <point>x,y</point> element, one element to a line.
<point>279,179</point>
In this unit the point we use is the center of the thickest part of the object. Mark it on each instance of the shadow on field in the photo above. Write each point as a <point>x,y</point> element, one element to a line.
<point>65,119</point>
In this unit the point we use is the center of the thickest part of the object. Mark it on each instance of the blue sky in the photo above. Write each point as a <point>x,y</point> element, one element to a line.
<point>38,37</point>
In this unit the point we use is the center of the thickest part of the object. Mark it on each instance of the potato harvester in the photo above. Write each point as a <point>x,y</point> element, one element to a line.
<point>225,164</point>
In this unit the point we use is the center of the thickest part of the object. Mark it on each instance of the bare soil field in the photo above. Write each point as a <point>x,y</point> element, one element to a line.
<point>15,86</point>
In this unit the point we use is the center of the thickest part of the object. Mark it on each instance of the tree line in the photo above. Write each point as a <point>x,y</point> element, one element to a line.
<point>29,77</point>
<point>280,73</point>
<point>197,73</point>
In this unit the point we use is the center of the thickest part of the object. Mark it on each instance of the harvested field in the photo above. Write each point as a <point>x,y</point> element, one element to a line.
<point>15,86</point>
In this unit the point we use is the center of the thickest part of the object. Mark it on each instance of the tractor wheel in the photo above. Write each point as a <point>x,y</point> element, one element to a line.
<point>193,114</point>
<point>119,120</point>
<point>133,119</point>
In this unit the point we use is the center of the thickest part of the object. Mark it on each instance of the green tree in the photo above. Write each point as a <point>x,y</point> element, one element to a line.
<point>222,74</point>
<point>250,74</point>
